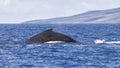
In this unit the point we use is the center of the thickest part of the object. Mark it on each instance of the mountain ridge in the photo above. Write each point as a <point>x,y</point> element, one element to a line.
<point>89,17</point>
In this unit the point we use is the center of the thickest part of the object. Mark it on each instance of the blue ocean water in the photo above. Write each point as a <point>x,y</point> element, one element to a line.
<point>15,52</point>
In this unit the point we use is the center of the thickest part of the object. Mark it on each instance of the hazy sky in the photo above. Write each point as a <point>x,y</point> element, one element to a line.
<point>16,11</point>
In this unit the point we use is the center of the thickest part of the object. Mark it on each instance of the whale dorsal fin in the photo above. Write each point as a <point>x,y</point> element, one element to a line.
<point>48,30</point>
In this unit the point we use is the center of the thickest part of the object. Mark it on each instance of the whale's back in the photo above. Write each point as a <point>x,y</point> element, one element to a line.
<point>49,35</point>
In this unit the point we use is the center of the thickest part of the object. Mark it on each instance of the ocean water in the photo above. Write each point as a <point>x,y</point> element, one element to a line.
<point>98,46</point>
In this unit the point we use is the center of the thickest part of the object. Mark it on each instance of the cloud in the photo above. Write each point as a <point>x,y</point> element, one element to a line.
<point>4,3</point>
<point>88,5</point>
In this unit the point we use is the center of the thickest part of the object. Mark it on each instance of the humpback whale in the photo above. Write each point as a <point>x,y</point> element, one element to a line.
<point>50,35</point>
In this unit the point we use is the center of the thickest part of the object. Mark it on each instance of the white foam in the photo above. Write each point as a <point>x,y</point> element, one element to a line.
<point>113,42</point>
<point>98,41</point>
<point>33,45</point>
<point>54,42</point>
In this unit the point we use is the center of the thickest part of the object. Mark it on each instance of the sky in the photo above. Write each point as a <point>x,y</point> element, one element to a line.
<point>17,11</point>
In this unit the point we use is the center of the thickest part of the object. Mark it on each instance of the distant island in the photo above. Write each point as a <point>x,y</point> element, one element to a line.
<point>90,17</point>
